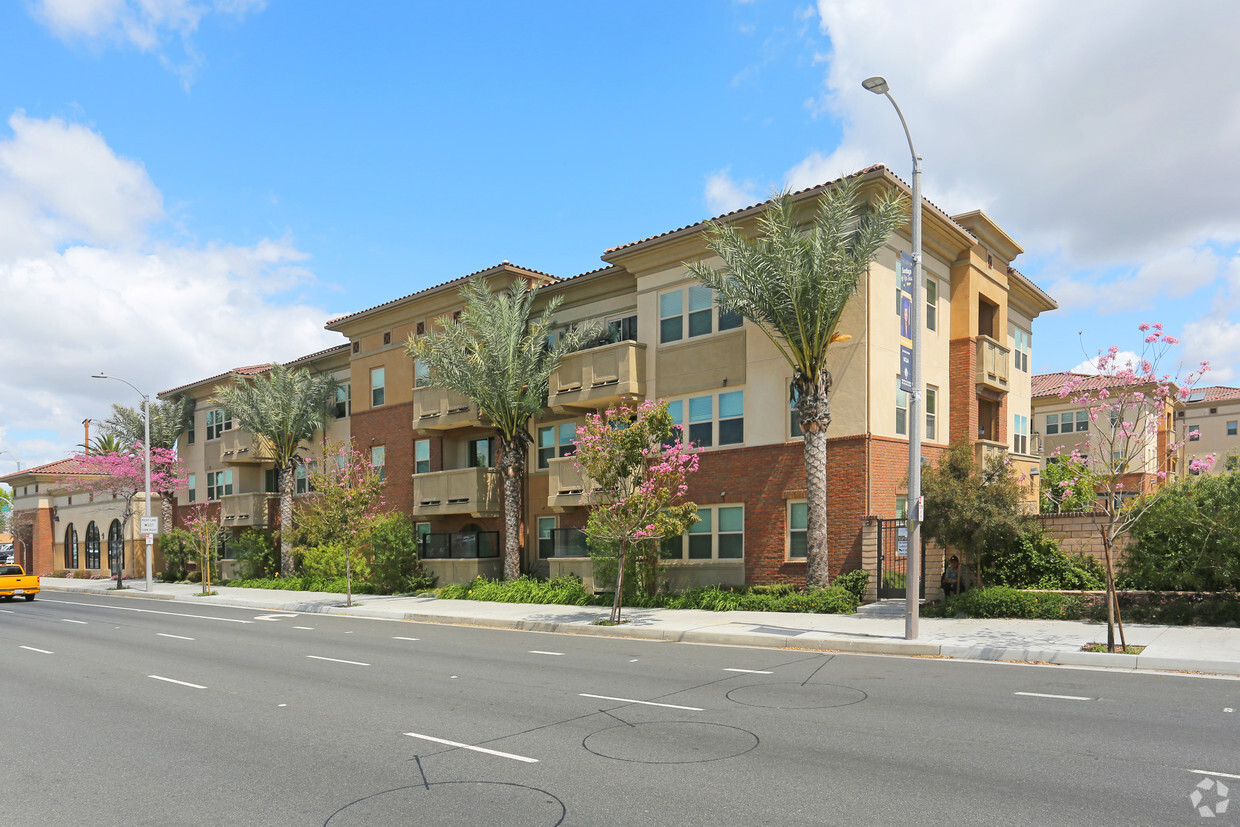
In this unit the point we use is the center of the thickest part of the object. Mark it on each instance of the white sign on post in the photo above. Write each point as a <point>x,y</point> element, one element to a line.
<point>149,525</point>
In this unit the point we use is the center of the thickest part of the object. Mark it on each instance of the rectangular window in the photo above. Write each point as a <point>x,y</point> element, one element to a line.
<point>1231,428</point>
<point>546,540</point>
<point>702,421</point>
<point>301,480</point>
<point>732,418</point>
<point>1082,421</point>
<point>671,316</point>
<point>705,315</point>
<point>713,419</point>
<point>798,530</point>
<point>344,400</point>
<point>699,310</point>
<point>1052,424</point>
<point>271,481</point>
<point>719,534</point>
<point>191,434</point>
<point>421,373</point>
<point>421,456</point>
<point>1020,358</point>
<point>622,330</point>
<point>378,459</point>
<point>218,421</point>
<point>901,508</point>
<point>376,387</point>
<point>901,411</point>
<point>932,411</point>
<point>219,484</point>
<point>192,487</point>
<point>546,446</point>
<point>556,440</point>
<point>676,409</point>
<point>932,304</point>
<point>481,453</point>
<point>1020,434</point>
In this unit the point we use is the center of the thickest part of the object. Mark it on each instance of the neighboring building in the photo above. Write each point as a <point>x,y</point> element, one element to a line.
<point>1209,423</point>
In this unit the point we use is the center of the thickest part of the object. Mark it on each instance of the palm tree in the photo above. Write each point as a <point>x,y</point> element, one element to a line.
<point>499,358</point>
<point>169,419</point>
<point>284,407</point>
<point>793,281</point>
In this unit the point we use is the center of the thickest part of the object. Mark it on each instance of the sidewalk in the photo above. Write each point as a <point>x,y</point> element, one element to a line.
<point>877,629</point>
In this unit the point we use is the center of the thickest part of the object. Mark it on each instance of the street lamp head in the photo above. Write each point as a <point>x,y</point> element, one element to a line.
<point>100,375</point>
<point>877,85</point>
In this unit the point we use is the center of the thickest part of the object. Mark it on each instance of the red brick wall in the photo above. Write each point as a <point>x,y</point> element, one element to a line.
<point>391,427</point>
<point>962,370</point>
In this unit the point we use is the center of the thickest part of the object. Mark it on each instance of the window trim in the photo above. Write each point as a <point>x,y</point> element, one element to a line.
<point>417,460</point>
<point>715,533</point>
<point>71,547</point>
<point>543,454</point>
<point>721,321</point>
<point>345,404</point>
<point>219,483</point>
<point>932,308</point>
<point>684,428</point>
<point>380,465</point>
<point>931,404</point>
<point>378,393</point>
<point>789,557</point>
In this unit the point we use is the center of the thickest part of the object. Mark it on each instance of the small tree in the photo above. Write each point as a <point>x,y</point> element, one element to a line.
<point>205,532</point>
<point>169,418</point>
<point>640,468</point>
<point>1129,404</point>
<point>1068,484</point>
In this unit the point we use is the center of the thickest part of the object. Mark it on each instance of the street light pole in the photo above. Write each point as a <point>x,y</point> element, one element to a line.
<point>146,444</point>
<point>912,588</point>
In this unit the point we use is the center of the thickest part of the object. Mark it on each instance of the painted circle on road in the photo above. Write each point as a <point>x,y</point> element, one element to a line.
<point>453,803</point>
<point>670,742</point>
<point>796,696</point>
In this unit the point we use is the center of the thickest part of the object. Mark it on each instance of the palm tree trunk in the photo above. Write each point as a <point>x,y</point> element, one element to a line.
<point>287,482</point>
<point>512,469</point>
<point>814,412</point>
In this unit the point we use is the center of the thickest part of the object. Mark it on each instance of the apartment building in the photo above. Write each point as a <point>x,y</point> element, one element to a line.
<point>1209,423</point>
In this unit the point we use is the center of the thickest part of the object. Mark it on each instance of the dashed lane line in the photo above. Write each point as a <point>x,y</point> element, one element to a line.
<point>40,651</point>
<point>178,683</point>
<point>643,703</point>
<point>148,611</point>
<point>338,660</point>
<point>473,748</point>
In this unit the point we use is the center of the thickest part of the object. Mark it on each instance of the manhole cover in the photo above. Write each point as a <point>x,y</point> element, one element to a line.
<point>796,696</point>
<point>670,742</point>
<point>453,803</point>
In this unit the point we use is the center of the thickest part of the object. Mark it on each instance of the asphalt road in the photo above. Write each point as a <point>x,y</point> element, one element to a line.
<point>118,710</point>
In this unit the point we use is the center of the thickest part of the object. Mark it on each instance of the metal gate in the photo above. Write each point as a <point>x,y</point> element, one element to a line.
<point>893,559</point>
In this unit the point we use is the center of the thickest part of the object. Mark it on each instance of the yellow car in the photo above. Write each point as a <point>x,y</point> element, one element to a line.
<point>15,582</point>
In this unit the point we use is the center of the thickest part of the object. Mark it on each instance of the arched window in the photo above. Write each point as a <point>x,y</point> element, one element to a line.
<point>71,547</point>
<point>92,546</point>
<point>116,547</point>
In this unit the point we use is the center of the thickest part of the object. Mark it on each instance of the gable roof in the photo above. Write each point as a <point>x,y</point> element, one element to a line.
<point>1050,384</point>
<point>68,467</point>
<point>1215,393</point>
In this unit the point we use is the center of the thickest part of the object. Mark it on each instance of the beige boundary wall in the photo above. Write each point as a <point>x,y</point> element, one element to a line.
<point>1077,533</point>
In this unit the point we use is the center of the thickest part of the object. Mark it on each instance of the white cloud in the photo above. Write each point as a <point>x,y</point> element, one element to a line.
<point>1174,274</point>
<point>1090,366</point>
<point>91,287</point>
<point>723,194</point>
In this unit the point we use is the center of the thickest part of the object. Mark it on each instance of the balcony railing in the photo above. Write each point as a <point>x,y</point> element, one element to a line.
<point>473,491</point>
<point>460,545</point>
<point>566,485</point>
<point>598,377</point>
<point>992,364</point>
<point>241,446</point>
<point>563,542</point>
<point>248,510</point>
<point>439,409</point>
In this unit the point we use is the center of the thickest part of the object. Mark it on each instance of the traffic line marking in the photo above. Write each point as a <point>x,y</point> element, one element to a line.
<point>177,637</point>
<point>473,748</point>
<point>40,651</point>
<point>338,660</point>
<point>1056,697</point>
<point>643,703</point>
<point>147,611</point>
<point>178,683</point>
<point>67,620</point>
<point>273,617</point>
<point>6,611</point>
<point>540,652</point>
<point>405,638</point>
<point>1211,772</point>
<point>307,628</point>
<point>751,671</point>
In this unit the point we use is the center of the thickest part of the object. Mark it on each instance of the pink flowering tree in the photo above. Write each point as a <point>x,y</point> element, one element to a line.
<point>638,470</point>
<point>205,530</point>
<point>1130,448</point>
<point>122,474</point>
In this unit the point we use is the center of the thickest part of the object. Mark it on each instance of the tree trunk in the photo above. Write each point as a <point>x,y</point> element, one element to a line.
<point>618,600</point>
<point>287,481</point>
<point>1113,615</point>
<point>814,412</point>
<point>512,471</point>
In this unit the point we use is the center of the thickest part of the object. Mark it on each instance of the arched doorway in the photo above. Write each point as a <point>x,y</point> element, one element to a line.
<point>71,547</point>
<point>116,547</point>
<point>92,545</point>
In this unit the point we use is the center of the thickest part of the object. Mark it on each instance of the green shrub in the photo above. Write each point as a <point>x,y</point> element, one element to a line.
<point>257,557</point>
<point>394,566</point>
<point>177,548</point>
<point>1188,539</point>
<point>566,591</point>
<point>1004,601</point>
<point>327,562</point>
<point>1034,561</point>
<point>833,600</point>
<point>855,582</point>
<point>1220,609</point>
<point>302,583</point>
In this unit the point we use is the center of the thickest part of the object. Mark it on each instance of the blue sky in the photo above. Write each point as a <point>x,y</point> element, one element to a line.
<point>186,185</point>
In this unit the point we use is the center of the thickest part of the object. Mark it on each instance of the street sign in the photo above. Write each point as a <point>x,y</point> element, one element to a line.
<point>902,542</point>
<point>149,525</point>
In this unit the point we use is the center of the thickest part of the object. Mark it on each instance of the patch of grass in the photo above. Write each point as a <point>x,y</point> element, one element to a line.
<point>1102,647</point>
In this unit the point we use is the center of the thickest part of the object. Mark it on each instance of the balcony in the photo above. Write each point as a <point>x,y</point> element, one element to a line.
<point>237,446</point>
<point>472,491</point>
<point>439,409</point>
<point>566,486</point>
<point>601,376</point>
<point>244,510</point>
<point>984,450</point>
<point>992,364</point>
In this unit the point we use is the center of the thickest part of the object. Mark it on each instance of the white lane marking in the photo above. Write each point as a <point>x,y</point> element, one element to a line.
<point>751,671</point>
<point>405,638</point>
<point>178,683</point>
<point>307,628</point>
<point>147,611</point>
<point>1056,697</point>
<point>643,703</point>
<point>634,660</point>
<point>338,660</point>
<point>6,611</point>
<point>40,651</point>
<point>177,637</point>
<point>475,749</point>
<point>1215,774</point>
<point>67,620</point>
<point>540,652</point>
<point>272,616</point>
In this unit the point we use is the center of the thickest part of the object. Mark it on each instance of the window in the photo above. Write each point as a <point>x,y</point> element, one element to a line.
<point>421,373</point>
<point>223,548</point>
<point>191,435</point>
<point>719,534</point>
<point>481,453</point>
<point>901,410</point>
<point>704,314</point>
<point>192,487</point>
<point>932,411</point>
<point>1020,358</point>
<point>1063,423</point>
<point>301,480</point>
<point>218,421</point>
<point>1052,424</point>
<point>1194,435</point>
<point>798,530</point>
<point>1020,434</point>
<point>671,316</point>
<point>1231,428</point>
<point>271,481</point>
<point>219,484</point>
<point>556,441</point>
<point>378,459</point>
<point>421,456</point>
<point>932,304</point>
<point>71,547</point>
<point>546,541</point>
<point>902,508</point>
<point>705,430</point>
<point>376,387</point>
<point>92,545</point>
<point>344,400</point>
<point>622,330</point>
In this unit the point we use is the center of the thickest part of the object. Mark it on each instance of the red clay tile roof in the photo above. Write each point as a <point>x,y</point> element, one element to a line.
<point>60,468</point>
<point>1216,393</point>
<point>1050,384</point>
<point>249,370</point>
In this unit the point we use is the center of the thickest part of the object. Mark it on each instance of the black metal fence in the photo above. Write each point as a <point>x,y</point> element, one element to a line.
<point>459,545</point>
<point>893,553</point>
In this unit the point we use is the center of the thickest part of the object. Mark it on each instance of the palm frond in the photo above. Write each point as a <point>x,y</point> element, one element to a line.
<point>284,406</point>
